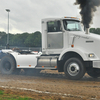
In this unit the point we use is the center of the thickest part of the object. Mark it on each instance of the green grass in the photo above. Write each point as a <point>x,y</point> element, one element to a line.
<point>4,96</point>
<point>1,92</point>
<point>12,98</point>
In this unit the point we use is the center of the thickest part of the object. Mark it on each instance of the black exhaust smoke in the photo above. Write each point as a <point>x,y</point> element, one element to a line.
<point>88,7</point>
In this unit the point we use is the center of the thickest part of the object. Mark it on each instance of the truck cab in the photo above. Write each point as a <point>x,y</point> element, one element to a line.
<point>64,41</point>
<point>55,34</point>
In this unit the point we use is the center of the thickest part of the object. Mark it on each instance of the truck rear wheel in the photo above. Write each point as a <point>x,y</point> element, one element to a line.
<point>74,69</point>
<point>7,65</point>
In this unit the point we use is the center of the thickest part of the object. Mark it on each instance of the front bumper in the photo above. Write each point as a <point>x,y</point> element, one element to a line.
<point>96,64</point>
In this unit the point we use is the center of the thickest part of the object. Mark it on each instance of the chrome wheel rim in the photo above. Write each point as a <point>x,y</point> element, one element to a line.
<point>73,69</point>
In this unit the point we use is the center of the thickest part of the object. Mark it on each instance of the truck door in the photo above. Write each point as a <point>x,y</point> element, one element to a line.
<point>54,35</point>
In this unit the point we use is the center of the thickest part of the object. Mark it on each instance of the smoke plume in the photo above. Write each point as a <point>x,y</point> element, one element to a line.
<point>88,7</point>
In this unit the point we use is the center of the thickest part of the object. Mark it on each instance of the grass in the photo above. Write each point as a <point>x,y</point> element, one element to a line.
<point>12,95</point>
<point>6,96</point>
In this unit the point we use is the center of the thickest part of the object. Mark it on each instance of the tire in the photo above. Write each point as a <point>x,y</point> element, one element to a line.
<point>74,69</point>
<point>93,72</point>
<point>7,65</point>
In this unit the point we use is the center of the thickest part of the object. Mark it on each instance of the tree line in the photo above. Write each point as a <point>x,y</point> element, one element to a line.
<point>95,30</point>
<point>29,39</point>
<point>21,40</point>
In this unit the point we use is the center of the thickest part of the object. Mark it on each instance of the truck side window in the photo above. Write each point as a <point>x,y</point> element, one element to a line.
<point>54,26</point>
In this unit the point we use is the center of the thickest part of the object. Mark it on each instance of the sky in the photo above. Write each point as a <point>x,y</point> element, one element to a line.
<point>26,15</point>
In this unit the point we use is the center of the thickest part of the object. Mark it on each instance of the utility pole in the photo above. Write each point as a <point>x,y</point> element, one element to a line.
<point>7,45</point>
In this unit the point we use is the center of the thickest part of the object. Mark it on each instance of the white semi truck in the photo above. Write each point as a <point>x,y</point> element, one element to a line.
<point>65,47</point>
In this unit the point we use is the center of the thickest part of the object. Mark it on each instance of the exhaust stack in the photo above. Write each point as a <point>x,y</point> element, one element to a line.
<point>88,7</point>
<point>87,30</point>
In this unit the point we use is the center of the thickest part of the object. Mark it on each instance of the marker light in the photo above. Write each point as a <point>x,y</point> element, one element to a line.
<point>74,17</point>
<point>55,66</point>
<point>42,66</point>
<point>65,17</point>
<point>72,45</point>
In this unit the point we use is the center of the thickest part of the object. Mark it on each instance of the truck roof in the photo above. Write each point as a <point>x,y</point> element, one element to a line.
<point>71,18</point>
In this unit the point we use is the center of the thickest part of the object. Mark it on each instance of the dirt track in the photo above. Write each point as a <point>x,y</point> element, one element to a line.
<point>51,84</point>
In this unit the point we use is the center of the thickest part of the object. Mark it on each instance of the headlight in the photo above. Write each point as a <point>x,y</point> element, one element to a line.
<point>91,55</point>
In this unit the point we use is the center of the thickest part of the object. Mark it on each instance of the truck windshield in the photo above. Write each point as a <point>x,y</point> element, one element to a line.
<point>72,25</point>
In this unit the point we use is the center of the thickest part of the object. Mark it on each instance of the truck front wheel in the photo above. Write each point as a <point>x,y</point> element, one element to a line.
<point>74,69</point>
<point>7,65</point>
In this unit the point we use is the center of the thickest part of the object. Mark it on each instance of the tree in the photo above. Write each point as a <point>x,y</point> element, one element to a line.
<point>92,30</point>
<point>37,39</point>
<point>33,40</point>
<point>98,31</point>
<point>11,36</point>
<point>95,30</point>
<point>3,39</point>
<point>18,39</point>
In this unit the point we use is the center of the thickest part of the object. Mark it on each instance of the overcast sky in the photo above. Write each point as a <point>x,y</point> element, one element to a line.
<point>26,15</point>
